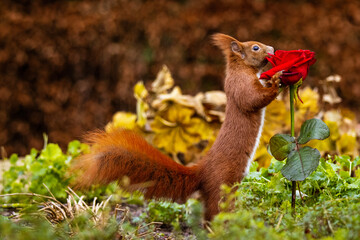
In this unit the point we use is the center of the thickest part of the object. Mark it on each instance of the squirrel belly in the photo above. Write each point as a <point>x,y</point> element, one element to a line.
<point>257,141</point>
<point>229,159</point>
<point>124,153</point>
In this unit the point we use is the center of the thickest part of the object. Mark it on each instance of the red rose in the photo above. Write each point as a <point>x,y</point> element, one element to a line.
<point>294,64</point>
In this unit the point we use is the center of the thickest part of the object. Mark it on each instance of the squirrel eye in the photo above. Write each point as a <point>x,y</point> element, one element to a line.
<point>255,48</point>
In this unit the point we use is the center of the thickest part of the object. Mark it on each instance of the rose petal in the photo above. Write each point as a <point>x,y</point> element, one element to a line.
<point>283,67</point>
<point>290,78</point>
<point>294,63</point>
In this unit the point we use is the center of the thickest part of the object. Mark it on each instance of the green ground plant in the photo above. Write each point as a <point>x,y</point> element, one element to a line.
<point>45,172</point>
<point>258,208</point>
<point>46,167</point>
<point>325,206</point>
<point>37,227</point>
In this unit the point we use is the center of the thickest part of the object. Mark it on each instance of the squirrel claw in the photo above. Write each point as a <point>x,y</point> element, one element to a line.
<point>278,74</point>
<point>275,79</point>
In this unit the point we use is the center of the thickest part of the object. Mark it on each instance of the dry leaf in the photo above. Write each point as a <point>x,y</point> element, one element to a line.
<point>163,81</point>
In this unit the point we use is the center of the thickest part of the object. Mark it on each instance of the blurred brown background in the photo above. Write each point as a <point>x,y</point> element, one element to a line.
<point>67,66</point>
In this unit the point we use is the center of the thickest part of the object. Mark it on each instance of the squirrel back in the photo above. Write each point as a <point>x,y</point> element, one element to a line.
<point>124,153</point>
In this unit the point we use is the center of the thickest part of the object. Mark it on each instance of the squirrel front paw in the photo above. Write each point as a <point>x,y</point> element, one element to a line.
<point>274,81</point>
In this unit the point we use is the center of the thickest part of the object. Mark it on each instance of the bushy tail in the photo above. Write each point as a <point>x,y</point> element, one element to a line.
<point>125,153</point>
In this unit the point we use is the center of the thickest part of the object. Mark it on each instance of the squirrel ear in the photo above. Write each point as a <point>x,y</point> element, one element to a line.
<point>237,48</point>
<point>228,45</point>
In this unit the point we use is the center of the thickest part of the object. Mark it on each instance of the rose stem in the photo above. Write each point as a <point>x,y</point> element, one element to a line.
<point>292,93</point>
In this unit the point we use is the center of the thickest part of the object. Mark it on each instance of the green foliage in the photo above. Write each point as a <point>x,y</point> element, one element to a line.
<point>301,162</point>
<point>193,217</point>
<point>166,212</point>
<point>47,167</point>
<point>241,225</point>
<point>37,227</point>
<point>258,208</point>
<point>20,230</point>
<point>327,207</point>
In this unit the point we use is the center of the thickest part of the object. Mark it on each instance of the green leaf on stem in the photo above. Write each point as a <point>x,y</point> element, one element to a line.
<point>313,129</point>
<point>300,164</point>
<point>281,145</point>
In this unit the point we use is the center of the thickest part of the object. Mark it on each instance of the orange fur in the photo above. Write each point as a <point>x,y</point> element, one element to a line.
<point>124,153</point>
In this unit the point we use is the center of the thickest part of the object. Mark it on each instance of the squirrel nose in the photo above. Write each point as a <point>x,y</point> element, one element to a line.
<point>270,49</point>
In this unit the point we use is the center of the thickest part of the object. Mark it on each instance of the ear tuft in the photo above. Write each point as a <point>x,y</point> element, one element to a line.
<point>224,42</point>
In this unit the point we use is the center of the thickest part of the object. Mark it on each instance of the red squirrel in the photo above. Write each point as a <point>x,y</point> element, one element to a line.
<point>125,153</point>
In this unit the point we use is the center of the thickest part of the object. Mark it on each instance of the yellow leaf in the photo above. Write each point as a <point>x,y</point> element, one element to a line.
<point>140,94</point>
<point>308,109</point>
<point>262,156</point>
<point>179,114</point>
<point>122,120</point>
<point>141,109</point>
<point>275,119</point>
<point>326,145</point>
<point>334,130</point>
<point>310,104</point>
<point>347,144</point>
<point>199,127</point>
<point>347,113</point>
<point>140,91</point>
<point>176,129</point>
<point>215,128</point>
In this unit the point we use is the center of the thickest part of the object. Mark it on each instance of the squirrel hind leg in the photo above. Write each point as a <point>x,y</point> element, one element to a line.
<point>211,206</point>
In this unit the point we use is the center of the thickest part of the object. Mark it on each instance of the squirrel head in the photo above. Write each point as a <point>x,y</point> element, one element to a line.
<point>251,53</point>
